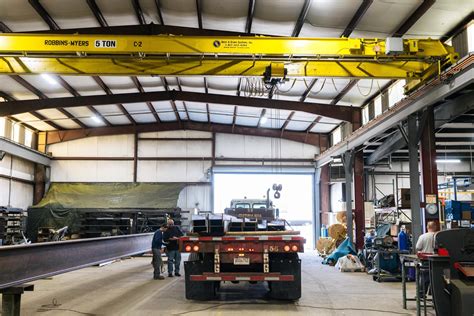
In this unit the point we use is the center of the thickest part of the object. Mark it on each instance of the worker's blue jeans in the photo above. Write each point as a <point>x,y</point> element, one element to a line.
<point>174,258</point>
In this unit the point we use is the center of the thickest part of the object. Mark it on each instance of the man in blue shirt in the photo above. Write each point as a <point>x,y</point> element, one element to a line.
<point>157,250</point>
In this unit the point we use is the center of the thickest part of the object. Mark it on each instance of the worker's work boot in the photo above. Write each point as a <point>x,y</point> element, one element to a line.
<point>177,274</point>
<point>170,275</point>
<point>160,277</point>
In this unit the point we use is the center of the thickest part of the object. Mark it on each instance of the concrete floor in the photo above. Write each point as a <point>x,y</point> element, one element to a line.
<point>127,288</point>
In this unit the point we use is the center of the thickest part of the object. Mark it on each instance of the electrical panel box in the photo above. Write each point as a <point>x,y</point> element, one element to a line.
<point>413,46</point>
<point>394,46</point>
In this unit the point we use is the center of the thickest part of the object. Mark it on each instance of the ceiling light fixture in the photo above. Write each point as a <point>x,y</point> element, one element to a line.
<point>50,79</point>
<point>448,160</point>
<point>263,120</point>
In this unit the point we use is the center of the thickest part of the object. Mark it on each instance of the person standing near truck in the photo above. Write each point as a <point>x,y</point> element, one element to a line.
<point>157,250</point>
<point>170,238</point>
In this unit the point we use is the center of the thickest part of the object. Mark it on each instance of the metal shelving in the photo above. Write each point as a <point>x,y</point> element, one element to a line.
<point>12,225</point>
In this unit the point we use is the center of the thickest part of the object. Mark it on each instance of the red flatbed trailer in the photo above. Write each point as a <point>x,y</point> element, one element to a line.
<point>253,258</point>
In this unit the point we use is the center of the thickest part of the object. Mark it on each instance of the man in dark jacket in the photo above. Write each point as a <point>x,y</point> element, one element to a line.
<point>170,238</point>
<point>157,250</point>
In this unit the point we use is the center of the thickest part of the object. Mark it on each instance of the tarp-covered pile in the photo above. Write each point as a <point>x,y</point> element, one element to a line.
<point>64,202</point>
<point>345,248</point>
<point>111,195</point>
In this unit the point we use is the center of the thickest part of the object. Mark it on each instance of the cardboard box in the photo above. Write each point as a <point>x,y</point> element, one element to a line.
<point>394,230</point>
<point>466,215</point>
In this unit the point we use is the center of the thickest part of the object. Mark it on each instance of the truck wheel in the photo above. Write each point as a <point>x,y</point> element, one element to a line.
<point>287,265</point>
<point>198,290</point>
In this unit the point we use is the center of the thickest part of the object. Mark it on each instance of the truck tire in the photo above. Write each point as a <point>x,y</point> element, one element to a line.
<point>198,290</point>
<point>286,264</point>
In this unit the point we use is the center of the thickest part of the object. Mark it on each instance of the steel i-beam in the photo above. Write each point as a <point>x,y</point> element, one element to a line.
<point>26,263</point>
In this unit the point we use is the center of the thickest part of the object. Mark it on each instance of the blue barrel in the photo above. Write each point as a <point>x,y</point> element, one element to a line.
<point>403,241</point>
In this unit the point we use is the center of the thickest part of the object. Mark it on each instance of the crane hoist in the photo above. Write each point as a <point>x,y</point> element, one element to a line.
<point>274,59</point>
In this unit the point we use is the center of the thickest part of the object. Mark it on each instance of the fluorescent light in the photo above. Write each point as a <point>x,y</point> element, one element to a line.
<point>50,79</point>
<point>448,160</point>
<point>96,119</point>
<point>263,120</point>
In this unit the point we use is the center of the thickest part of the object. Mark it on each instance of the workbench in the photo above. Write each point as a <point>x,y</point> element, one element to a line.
<point>421,265</point>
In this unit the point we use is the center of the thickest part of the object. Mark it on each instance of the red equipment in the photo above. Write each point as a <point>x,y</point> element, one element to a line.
<point>270,258</point>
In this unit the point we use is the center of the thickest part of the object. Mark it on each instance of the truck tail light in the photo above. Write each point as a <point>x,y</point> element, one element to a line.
<point>187,248</point>
<point>196,248</point>
<point>443,252</point>
<point>294,248</point>
<point>286,248</point>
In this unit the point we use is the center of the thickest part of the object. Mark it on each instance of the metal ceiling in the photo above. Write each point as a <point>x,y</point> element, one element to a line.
<point>306,18</point>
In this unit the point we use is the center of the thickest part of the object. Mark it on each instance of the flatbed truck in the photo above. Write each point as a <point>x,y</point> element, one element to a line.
<point>253,257</point>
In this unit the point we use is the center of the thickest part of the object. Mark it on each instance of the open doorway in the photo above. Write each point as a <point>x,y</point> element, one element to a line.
<point>295,203</point>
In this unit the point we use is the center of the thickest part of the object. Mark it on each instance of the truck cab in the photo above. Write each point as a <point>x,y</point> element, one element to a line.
<point>259,209</point>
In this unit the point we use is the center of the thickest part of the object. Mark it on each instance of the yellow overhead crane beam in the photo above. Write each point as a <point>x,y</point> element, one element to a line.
<point>167,55</point>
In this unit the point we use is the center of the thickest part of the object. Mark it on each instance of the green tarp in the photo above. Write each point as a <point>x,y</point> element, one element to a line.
<point>64,202</point>
<point>111,195</point>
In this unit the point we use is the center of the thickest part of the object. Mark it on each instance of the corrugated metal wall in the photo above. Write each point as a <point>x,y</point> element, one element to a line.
<point>16,188</point>
<point>165,161</point>
<point>176,160</point>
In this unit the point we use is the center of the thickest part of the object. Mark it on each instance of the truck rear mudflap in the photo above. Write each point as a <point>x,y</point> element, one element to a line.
<point>252,277</point>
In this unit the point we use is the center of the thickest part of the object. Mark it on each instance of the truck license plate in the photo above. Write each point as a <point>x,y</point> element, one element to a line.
<point>241,261</point>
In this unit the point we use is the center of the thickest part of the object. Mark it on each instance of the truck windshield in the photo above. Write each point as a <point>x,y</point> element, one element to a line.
<point>259,205</point>
<point>242,205</point>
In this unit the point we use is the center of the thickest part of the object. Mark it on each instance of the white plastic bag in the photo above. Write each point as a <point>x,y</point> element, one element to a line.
<point>349,263</point>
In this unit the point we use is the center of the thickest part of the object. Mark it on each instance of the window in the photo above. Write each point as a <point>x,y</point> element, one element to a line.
<point>16,132</point>
<point>242,205</point>
<point>337,135</point>
<point>256,206</point>
<point>365,115</point>
<point>2,126</point>
<point>28,138</point>
<point>470,38</point>
<point>378,106</point>
<point>396,92</point>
